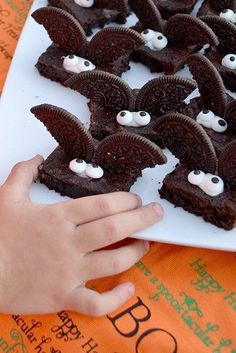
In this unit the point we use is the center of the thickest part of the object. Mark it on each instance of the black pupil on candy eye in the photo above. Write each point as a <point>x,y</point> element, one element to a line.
<point>232,58</point>
<point>160,37</point>
<point>197,172</point>
<point>225,10</point>
<point>79,160</point>
<point>205,111</point>
<point>86,63</point>
<point>221,122</point>
<point>123,114</point>
<point>146,31</point>
<point>94,165</point>
<point>215,180</point>
<point>143,114</point>
<point>71,56</point>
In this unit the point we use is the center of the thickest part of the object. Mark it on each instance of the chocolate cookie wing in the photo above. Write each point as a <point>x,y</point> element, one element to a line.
<point>188,141</point>
<point>225,31</point>
<point>128,154</point>
<point>103,88</point>
<point>110,44</point>
<point>227,165</point>
<point>148,14</point>
<point>63,29</point>
<point>185,31</point>
<point>210,83</point>
<point>230,115</point>
<point>67,130</point>
<point>220,5</point>
<point>164,94</point>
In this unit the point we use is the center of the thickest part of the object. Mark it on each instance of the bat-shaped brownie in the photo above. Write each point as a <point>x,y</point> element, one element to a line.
<point>82,166</point>
<point>72,53</point>
<point>168,43</point>
<point>94,13</point>
<point>115,107</point>
<point>215,110</point>
<point>202,183</point>
<point>223,8</point>
<point>224,55</point>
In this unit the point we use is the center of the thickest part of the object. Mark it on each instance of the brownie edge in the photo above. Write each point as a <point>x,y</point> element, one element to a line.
<point>220,210</point>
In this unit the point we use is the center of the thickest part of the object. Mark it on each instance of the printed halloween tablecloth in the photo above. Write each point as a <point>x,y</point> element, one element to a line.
<point>185,298</point>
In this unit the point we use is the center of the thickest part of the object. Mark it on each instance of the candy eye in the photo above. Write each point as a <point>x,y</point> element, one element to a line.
<point>77,166</point>
<point>85,65</point>
<point>228,15</point>
<point>196,177</point>
<point>229,61</point>
<point>94,171</point>
<point>84,3</point>
<point>212,185</point>
<point>70,60</point>
<point>159,41</point>
<point>148,34</point>
<point>219,124</point>
<point>205,118</point>
<point>124,118</point>
<point>142,118</point>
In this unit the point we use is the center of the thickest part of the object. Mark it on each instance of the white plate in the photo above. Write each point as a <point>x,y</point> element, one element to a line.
<point>22,136</point>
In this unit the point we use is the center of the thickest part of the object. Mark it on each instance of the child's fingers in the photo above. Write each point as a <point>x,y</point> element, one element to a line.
<point>91,208</point>
<point>112,229</point>
<point>89,302</point>
<point>112,262</point>
<point>21,177</point>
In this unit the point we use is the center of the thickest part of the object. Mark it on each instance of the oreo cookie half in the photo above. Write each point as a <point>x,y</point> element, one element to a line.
<point>225,31</point>
<point>164,94</point>
<point>148,14</point>
<point>105,89</point>
<point>188,141</point>
<point>63,29</point>
<point>185,31</point>
<point>128,154</point>
<point>67,130</point>
<point>112,43</point>
<point>210,83</point>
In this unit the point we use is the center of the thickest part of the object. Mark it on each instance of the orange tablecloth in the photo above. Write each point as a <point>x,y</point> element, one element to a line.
<point>185,298</point>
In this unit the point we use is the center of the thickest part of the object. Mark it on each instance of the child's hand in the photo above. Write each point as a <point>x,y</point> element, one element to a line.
<point>48,251</point>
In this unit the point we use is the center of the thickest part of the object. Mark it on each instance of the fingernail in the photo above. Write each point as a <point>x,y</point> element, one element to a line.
<point>147,245</point>
<point>158,209</point>
<point>131,289</point>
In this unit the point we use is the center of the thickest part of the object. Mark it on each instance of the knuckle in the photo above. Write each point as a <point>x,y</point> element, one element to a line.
<point>112,230</point>
<point>19,166</point>
<point>104,204</point>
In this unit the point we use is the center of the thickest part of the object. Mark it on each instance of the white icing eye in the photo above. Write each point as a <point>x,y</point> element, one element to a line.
<point>212,185</point>
<point>229,61</point>
<point>124,118</point>
<point>148,34</point>
<point>85,65</point>
<point>84,3</point>
<point>70,61</point>
<point>228,15</point>
<point>205,118</point>
<point>78,166</point>
<point>219,125</point>
<point>141,118</point>
<point>159,41</point>
<point>94,171</point>
<point>196,177</point>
